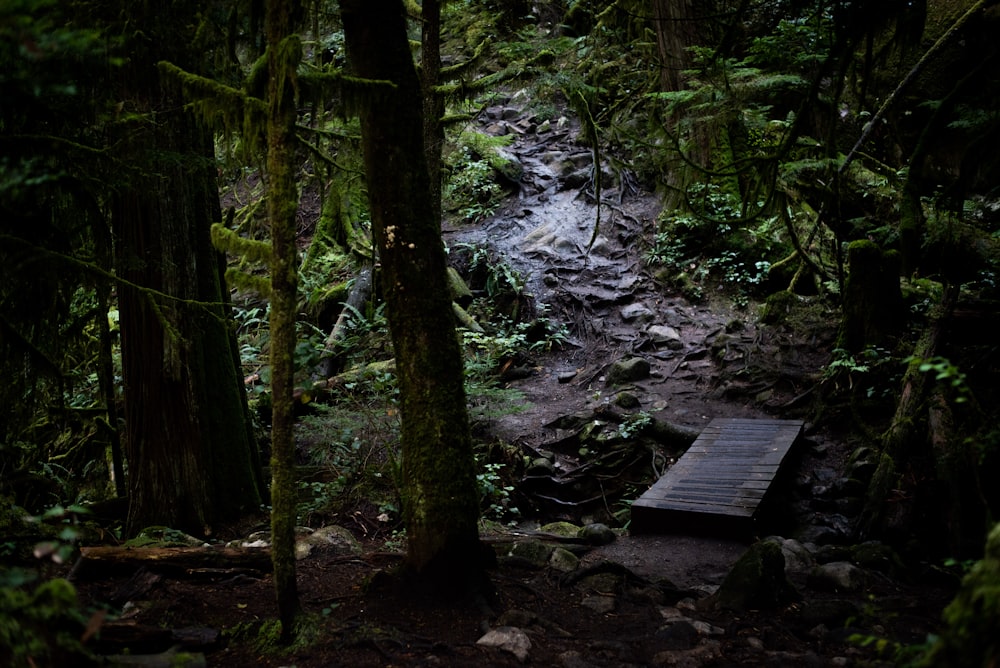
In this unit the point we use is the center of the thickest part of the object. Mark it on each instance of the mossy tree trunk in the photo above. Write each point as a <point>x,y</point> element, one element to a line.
<point>873,303</point>
<point>906,446</point>
<point>440,498</point>
<point>190,461</point>
<point>284,51</point>
<point>680,25</point>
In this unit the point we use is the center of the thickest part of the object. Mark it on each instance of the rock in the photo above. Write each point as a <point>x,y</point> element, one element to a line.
<point>706,629</point>
<point>509,639</point>
<point>160,536</point>
<point>535,552</point>
<point>332,538</point>
<point>627,371</point>
<point>877,556</point>
<point>603,583</point>
<point>862,471</point>
<point>540,466</point>
<point>172,658</point>
<point>828,553</point>
<point>665,336</point>
<point>563,560</point>
<point>798,559</point>
<point>703,655</point>
<point>757,581</point>
<point>600,603</point>
<point>564,529</point>
<point>636,311</point>
<point>596,534</point>
<point>678,635</point>
<point>832,613</point>
<point>627,400</point>
<point>566,376</point>
<point>837,576</point>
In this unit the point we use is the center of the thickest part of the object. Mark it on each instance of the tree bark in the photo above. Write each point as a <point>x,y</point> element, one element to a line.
<point>284,51</point>
<point>440,498</point>
<point>430,73</point>
<point>190,461</point>
<point>906,442</point>
<point>873,303</point>
<point>99,560</point>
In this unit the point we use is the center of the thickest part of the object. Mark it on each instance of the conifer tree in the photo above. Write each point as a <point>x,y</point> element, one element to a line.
<point>284,51</point>
<point>440,500</point>
<point>191,462</point>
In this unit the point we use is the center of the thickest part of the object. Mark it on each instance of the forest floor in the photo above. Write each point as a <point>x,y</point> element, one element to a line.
<point>709,360</point>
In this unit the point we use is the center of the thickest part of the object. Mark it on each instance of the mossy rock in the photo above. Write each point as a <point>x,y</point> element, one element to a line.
<point>757,581</point>
<point>157,536</point>
<point>535,552</point>
<point>564,529</point>
<point>778,306</point>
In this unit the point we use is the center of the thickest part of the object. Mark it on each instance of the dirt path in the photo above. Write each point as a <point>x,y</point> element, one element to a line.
<point>706,360</point>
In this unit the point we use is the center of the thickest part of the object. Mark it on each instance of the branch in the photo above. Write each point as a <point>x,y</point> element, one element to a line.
<point>931,52</point>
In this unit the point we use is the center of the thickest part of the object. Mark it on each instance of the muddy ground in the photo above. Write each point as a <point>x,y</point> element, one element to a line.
<point>645,600</point>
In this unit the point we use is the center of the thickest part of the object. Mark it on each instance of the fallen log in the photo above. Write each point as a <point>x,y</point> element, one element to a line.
<point>170,560</point>
<point>360,293</point>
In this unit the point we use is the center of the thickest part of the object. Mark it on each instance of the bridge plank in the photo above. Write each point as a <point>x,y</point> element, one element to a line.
<point>718,486</point>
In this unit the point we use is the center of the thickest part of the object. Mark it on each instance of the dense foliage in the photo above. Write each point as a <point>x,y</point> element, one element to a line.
<point>795,145</point>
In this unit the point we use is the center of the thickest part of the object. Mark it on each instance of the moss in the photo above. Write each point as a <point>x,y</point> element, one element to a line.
<point>777,307</point>
<point>972,633</point>
<point>757,580</point>
<point>40,627</point>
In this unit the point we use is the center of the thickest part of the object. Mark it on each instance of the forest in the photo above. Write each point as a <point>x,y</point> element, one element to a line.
<point>346,333</point>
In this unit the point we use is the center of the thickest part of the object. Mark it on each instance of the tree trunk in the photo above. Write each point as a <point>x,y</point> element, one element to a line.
<point>873,303</point>
<point>440,498</point>
<point>190,462</point>
<point>430,72</point>
<point>680,25</point>
<point>284,51</point>
<point>906,444</point>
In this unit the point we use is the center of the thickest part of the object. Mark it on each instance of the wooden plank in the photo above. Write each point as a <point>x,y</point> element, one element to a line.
<point>718,486</point>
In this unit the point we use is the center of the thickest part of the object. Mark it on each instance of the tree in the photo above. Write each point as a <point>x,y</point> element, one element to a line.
<point>440,501</point>
<point>284,51</point>
<point>191,461</point>
<point>430,74</point>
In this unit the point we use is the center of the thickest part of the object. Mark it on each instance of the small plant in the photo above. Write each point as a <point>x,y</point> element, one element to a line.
<point>633,425</point>
<point>845,365</point>
<point>944,372</point>
<point>473,189</point>
<point>494,493</point>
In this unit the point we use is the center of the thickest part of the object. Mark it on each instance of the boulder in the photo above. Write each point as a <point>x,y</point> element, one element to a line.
<point>509,639</point>
<point>627,371</point>
<point>757,581</point>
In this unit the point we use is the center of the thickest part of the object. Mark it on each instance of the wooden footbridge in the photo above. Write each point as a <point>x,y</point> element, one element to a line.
<point>718,485</point>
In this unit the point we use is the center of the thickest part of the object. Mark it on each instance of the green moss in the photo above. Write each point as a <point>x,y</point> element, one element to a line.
<point>40,627</point>
<point>972,633</point>
<point>777,307</point>
<point>757,580</point>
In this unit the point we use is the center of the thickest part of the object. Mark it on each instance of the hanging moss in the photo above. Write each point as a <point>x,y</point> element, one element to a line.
<point>248,282</point>
<point>228,241</point>
<point>219,106</point>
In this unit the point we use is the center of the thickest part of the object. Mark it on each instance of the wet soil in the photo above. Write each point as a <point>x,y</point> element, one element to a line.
<point>723,362</point>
